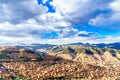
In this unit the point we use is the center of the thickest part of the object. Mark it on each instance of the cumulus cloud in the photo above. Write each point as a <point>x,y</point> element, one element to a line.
<point>67,13</point>
<point>108,20</point>
<point>22,30</point>
<point>18,11</point>
<point>91,40</point>
<point>107,39</point>
<point>79,11</point>
<point>23,21</point>
<point>70,32</point>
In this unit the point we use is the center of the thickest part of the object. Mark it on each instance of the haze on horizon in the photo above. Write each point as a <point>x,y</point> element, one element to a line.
<point>59,21</point>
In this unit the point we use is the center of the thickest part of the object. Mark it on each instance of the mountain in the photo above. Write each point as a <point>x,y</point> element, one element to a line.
<point>86,54</point>
<point>14,53</point>
<point>80,44</point>
<point>83,60</point>
<point>115,45</point>
<point>34,47</point>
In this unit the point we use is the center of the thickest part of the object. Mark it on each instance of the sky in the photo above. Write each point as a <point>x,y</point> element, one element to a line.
<point>59,21</point>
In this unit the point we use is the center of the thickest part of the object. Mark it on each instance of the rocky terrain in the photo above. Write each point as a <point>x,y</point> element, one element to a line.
<point>60,62</point>
<point>87,54</point>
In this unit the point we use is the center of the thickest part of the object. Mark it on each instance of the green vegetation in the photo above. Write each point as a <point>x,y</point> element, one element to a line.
<point>20,77</point>
<point>84,50</point>
<point>65,51</point>
<point>86,57</point>
<point>3,55</point>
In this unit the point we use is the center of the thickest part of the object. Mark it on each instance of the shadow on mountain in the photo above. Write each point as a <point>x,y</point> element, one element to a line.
<point>22,63</point>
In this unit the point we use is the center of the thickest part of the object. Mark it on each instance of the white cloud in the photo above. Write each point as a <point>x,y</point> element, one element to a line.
<point>44,1</point>
<point>108,39</point>
<point>109,20</point>
<point>24,21</point>
<point>79,11</point>
<point>19,11</point>
<point>115,6</point>
<point>28,38</point>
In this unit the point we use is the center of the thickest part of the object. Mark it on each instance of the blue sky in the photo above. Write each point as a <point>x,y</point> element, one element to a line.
<point>59,21</point>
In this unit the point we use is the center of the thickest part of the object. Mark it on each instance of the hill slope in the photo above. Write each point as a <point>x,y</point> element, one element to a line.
<point>87,54</point>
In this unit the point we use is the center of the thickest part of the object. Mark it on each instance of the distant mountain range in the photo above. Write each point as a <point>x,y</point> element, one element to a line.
<point>101,45</point>
<point>34,47</point>
<point>47,46</point>
<point>83,52</point>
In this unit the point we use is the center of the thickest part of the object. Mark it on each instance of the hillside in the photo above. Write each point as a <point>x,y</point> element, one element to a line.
<point>93,55</point>
<point>13,53</point>
<point>115,45</point>
<point>61,62</point>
